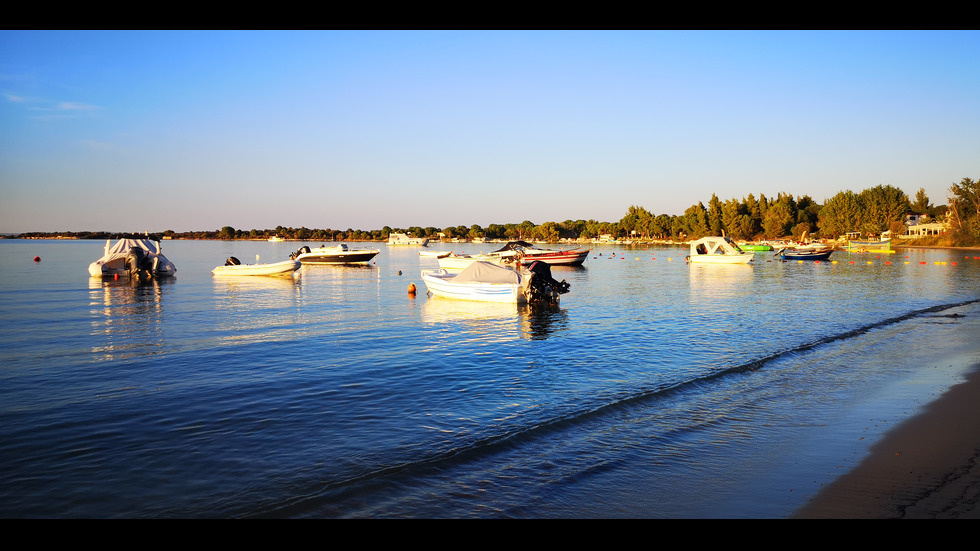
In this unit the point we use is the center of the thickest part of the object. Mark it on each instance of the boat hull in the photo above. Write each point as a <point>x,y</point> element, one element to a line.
<point>556,258</point>
<point>353,257</point>
<point>286,267</point>
<point>820,255</point>
<point>721,259</point>
<point>440,283</point>
<point>335,255</point>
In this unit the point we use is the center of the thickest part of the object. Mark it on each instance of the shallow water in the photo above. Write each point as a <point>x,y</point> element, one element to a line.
<point>658,389</point>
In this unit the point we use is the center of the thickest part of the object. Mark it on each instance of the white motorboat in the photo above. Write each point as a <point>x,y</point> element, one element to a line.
<point>132,257</point>
<point>233,267</point>
<point>718,250</point>
<point>487,282</point>
<point>404,239</point>
<point>339,254</point>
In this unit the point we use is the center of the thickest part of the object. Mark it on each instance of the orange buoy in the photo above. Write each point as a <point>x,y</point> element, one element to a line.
<point>411,289</point>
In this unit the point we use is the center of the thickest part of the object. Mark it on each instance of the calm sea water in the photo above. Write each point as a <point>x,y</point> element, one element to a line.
<point>658,389</point>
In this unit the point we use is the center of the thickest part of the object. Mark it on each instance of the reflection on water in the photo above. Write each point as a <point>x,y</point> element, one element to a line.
<point>126,315</point>
<point>719,280</point>
<point>256,309</point>
<point>479,317</point>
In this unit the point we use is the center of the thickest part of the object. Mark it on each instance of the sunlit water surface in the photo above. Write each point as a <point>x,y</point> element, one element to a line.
<point>658,389</point>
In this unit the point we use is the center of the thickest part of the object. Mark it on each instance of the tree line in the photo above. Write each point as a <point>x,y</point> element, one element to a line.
<point>870,212</point>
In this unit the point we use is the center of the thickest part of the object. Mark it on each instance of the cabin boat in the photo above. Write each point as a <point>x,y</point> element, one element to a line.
<point>339,254</point>
<point>404,239</point>
<point>530,254</point>
<point>718,250</point>
<point>133,257</point>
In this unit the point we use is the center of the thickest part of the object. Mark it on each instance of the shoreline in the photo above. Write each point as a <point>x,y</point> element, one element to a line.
<point>927,467</point>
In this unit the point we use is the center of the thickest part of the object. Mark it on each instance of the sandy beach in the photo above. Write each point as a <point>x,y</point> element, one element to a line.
<point>927,467</point>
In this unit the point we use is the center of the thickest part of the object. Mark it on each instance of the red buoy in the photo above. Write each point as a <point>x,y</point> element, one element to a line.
<point>37,259</point>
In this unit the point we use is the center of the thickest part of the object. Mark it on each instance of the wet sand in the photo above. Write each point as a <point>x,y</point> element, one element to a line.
<point>927,467</point>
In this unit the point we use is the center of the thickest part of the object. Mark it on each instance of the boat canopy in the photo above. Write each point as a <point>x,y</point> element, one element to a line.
<point>122,246</point>
<point>715,245</point>
<point>515,246</point>
<point>485,272</point>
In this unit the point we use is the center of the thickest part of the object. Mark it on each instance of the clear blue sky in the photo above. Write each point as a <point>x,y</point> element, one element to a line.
<point>133,131</point>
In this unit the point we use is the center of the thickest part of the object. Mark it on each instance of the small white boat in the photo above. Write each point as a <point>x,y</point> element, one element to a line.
<point>133,257</point>
<point>487,282</point>
<point>235,268</point>
<point>276,239</point>
<point>339,254</point>
<point>718,250</point>
<point>404,239</point>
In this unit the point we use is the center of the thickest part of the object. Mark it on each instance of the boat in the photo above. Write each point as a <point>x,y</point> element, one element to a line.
<point>276,239</point>
<point>488,282</point>
<point>404,239</point>
<point>718,250</point>
<point>805,253</point>
<point>530,254</point>
<point>457,262</point>
<point>870,246</point>
<point>755,247</point>
<point>233,267</point>
<point>339,254</point>
<point>133,257</point>
<point>434,254</point>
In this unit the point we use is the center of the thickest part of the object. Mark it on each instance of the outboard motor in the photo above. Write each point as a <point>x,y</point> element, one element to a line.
<point>137,262</point>
<point>302,250</point>
<point>543,289</point>
<point>232,261</point>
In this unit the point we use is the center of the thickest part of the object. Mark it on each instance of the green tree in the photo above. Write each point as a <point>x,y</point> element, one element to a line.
<point>964,211</point>
<point>840,214</point>
<point>715,225</point>
<point>880,206</point>
<point>921,203</point>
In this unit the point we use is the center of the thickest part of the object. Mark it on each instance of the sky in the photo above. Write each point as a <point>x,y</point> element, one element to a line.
<point>197,130</point>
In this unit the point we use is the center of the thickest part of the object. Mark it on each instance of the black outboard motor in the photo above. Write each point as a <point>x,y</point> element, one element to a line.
<point>543,289</point>
<point>232,261</point>
<point>139,263</point>
<point>542,273</point>
<point>302,250</point>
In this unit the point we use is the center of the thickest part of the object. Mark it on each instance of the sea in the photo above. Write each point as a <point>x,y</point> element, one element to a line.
<point>658,389</point>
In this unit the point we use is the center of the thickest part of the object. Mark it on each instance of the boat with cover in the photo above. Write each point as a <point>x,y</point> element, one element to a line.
<point>234,267</point>
<point>530,254</point>
<point>718,250</point>
<point>404,239</point>
<point>339,254</point>
<point>487,282</point>
<point>133,257</point>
